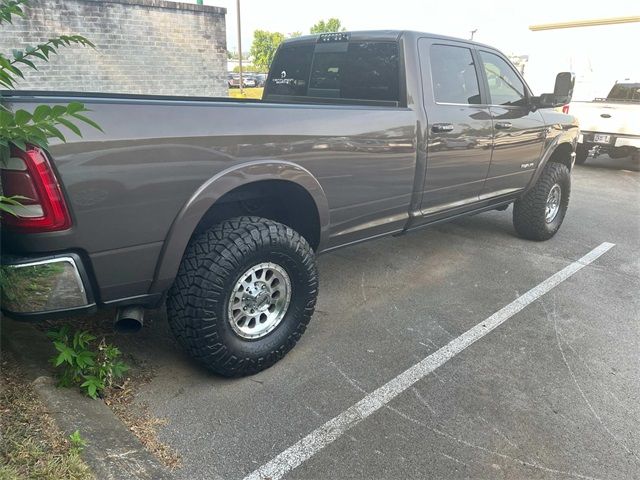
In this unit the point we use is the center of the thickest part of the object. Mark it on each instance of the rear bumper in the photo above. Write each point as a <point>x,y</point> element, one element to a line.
<point>47,286</point>
<point>615,140</point>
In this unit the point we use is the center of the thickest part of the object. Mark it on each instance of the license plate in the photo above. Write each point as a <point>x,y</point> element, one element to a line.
<point>598,138</point>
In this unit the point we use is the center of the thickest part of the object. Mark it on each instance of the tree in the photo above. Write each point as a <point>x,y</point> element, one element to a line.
<point>21,128</point>
<point>264,47</point>
<point>331,25</point>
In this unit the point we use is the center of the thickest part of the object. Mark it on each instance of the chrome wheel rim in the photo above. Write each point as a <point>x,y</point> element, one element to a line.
<point>259,300</point>
<point>553,203</point>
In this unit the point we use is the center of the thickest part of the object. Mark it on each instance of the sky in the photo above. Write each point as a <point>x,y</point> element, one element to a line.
<point>500,23</point>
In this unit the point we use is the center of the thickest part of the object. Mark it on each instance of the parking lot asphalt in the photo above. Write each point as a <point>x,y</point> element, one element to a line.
<point>554,392</point>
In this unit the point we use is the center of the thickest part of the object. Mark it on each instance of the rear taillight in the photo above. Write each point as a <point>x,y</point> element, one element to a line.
<point>29,174</point>
<point>565,108</point>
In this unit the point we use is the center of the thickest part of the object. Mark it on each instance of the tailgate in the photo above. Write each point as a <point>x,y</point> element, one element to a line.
<point>602,117</point>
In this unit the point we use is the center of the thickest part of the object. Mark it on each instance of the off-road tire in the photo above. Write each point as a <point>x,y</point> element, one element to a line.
<point>212,264</point>
<point>529,217</point>
<point>582,153</point>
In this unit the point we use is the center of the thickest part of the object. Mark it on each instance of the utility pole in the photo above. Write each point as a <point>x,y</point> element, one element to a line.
<point>239,48</point>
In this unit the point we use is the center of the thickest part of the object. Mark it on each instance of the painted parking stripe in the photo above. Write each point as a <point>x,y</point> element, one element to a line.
<point>304,449</point>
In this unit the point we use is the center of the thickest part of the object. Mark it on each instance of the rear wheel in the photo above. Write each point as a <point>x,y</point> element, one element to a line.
<point>582,153</point>
<point>243,296</point>
<point>539,214</point>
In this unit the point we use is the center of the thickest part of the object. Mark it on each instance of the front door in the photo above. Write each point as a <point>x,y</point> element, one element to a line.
<point>519,132</point>
<point>459,126</point>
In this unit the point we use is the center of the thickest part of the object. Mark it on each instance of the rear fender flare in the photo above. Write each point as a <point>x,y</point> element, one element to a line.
<point>212,190</point>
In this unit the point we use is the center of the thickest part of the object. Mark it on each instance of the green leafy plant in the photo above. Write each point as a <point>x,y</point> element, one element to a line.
<point>83,363</point>
<point>331,25</point>
<point>264,47</point>
<point>22,127</point>
<point>77,442</point>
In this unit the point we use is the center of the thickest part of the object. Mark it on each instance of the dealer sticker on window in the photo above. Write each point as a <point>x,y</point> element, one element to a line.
<point>599,138</point>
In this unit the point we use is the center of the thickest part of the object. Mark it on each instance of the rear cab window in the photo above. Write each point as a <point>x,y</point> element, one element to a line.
<point>625,92</point>
<point>347,71</point>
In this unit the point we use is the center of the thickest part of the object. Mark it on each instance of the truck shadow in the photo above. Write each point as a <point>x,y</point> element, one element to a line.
<point>607,163</point>
<point>423,258</point>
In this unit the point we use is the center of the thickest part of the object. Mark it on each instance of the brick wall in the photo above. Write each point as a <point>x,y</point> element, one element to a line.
<point>143,46</point>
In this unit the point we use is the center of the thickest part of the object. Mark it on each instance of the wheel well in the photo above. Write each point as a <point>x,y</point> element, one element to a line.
<point>280,200</point>
<point>562,154</point>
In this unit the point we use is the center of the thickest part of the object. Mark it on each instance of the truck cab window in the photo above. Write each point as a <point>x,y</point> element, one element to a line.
<point>454,75</point>
<point>289,73</point>
<point>505,87</point>
<point>625,92</point>
<point>325,74</point>
<point>372,72</point>
<point>360,71</point>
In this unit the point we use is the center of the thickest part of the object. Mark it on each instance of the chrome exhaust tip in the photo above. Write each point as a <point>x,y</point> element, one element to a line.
<point>129,319</point>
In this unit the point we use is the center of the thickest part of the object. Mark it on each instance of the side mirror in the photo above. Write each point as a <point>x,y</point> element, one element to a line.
<point>562,92</point>
<point>565,81</point>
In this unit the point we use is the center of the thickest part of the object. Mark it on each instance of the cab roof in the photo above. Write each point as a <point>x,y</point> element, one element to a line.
<point>379,35</point>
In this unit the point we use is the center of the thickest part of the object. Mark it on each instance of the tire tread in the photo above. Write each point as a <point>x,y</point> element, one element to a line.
<point>212,256</point>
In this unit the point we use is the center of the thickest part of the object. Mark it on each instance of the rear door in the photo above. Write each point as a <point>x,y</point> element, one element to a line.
<point>519,132</point>
<point>459,128</point>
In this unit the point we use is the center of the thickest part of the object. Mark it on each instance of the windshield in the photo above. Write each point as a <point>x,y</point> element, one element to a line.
<point>628,92</point>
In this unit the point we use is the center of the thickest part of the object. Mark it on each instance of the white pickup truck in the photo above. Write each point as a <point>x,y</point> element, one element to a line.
<point>610,125</point>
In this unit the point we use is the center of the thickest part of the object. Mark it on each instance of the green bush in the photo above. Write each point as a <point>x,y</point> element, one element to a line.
<point>93,368</point>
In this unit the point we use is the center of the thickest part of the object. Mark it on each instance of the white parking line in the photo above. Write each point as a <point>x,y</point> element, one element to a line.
<point>304,449</point>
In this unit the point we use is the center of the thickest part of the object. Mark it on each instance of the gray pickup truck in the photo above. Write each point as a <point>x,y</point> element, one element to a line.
<point>219,207</point>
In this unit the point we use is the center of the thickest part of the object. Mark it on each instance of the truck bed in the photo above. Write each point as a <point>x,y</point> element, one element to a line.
<point>130,182</point>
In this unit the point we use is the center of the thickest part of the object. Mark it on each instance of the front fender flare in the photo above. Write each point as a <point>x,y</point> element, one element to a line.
<point>212,190</point>
<point>566,137</point>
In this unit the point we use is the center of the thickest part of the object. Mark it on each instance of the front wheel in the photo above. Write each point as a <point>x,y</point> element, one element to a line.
<point>243,296</point>
<point>539,214</point>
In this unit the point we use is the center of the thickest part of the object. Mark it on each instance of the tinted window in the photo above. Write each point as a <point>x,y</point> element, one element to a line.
<point>625,91</point>
<point>326,70</point>
<point>361,71</point>
<point>372,72</point>
<point>454,75</point>
<point>505,87</point>
<point>290,71</point>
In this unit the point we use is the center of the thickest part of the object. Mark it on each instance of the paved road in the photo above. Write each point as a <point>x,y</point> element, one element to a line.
<point>554,392</point>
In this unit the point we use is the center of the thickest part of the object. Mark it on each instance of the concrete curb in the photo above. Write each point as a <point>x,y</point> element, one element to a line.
<point>112,451</point>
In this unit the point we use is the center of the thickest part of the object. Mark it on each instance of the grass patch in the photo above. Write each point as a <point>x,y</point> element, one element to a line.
<point>31,445</point>
<point>121,397</point>
<point>140,421</point>
<point>248,93</point>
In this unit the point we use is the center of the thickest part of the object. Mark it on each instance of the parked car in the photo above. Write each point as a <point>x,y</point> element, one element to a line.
<point>247,81</point>
<point>610,125</point>
<point>219,207</point>
<point>261,79</point>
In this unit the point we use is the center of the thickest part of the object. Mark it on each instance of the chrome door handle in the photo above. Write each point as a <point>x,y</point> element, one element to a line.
<point>503,125</point>
<point>442,127</point>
